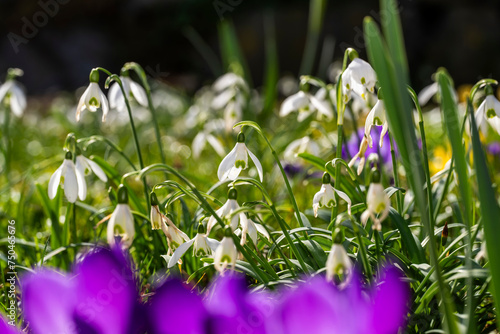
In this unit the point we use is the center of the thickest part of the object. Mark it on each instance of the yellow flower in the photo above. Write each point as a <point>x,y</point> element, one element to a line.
<point>441,155</point>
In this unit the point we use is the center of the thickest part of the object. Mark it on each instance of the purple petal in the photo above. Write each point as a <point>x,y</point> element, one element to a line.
<point>106,292</point>
<point>390,303</point>
<point>176,310</point>
<point>5,328</point>
<point>234,310</point>
<point>48,302</point>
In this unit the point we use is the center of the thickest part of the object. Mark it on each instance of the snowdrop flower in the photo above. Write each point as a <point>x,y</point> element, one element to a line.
<point>430,91</point>
<point>488,112</point>
<point>326,196</point>
<point>205,136</point>
<point>12,92</point>
<point>338,261</point>
<point>226,252</point>
<point>202,246</point>
<point>132,90</point>
<point>93,98</point>
<point>302,145</point>
<point>231,93</point>
<point>250,228</point>
<point>226,210</point>
<point>121,228</point>
<point>376,117</point>
<point>237,160</point>
<point>377,201</point>
<point>83,166</point>
<point>306,104</point>
<point>73,180</point>
<point>360,155</point>
<point>155,214</point>
<point>175,237</point>
<point>358,77</point>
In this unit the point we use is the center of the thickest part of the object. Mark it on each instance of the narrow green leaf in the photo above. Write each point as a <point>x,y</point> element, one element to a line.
<point>489,212</point>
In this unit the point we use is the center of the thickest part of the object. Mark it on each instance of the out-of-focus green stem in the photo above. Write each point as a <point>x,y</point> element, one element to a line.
<point>396,174</point>
<point>316,15</point>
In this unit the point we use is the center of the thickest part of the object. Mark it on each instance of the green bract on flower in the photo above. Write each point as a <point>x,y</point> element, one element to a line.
<point>93,98</point>
<point>237,160</point>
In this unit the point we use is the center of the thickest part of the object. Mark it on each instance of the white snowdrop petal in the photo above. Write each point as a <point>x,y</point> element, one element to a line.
<point>55,179</point>
<point>179,252</point>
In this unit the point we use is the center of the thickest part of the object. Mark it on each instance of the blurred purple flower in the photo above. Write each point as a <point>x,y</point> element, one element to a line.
<point>319,307</point>
<point>383,152</point>
<point>100,297</point>
<point>5,328</point>
<point>228,308</point>
<point>494,148</point>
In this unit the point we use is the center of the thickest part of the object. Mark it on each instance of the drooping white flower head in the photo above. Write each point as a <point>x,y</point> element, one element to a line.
<point>12,92</point>
<point>205,136</point>
<point>428,92</point>
<point>376,117</point>
<point>93,98</point>
<point>132,90</point>
<point>302,145</point>
<point>226,252</point>
<point>175,237</point>
<point>237,160</point>
<point>306,104</point>
<point>73,181</point>
<point>338,262</point>
<point>155,214</point>
<point>225,212</point>
<point>489,112</point>
<point>326,196</point>
<point>360,155</point>
<point>121,224</point>
<point>202,246</point>
<point>378,203</point>
<point>358,77</point>
<point>231,94</point>
<point>252,229</point>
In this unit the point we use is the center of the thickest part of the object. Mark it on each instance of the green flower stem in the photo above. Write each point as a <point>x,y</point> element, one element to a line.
<point>142,75</point>
<point>116,78</point>
<point>206,206</point>
<point>425,155</point>
<point>278,162</point>
<point>376,236</point>
<point>362,250</point>
<point>6,135</point>
<point>92,139</point>
<point>396,175</point>
<point>338,155</point>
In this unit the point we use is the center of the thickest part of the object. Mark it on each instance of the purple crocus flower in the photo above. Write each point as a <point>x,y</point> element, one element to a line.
<point>319,307</point>
<point>228,307</point>
<point>5,328</point>
<point>99,297</point>
<point>493,148</point>
<point>383,152</point>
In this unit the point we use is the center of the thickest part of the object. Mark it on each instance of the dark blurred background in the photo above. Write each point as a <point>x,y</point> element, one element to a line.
<point>69,37</point>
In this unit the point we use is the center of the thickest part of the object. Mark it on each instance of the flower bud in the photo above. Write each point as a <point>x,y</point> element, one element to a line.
<point>122,194</point>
